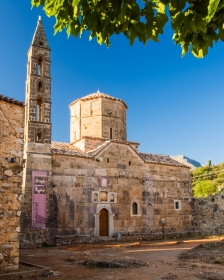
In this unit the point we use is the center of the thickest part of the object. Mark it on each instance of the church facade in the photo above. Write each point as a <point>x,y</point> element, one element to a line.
<point>98,184</point>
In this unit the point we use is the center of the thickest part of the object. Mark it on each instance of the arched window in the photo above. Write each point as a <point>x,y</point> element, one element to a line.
<point>95,197</point>
<point>40,66</point>
<point>112,198</point>
<point>135,208</point>
<point>40,86</point>
<point>39,110</point>
<point>38,137</point>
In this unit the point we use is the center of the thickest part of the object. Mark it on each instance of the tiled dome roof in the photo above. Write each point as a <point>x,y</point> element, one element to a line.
<point>97,95</point>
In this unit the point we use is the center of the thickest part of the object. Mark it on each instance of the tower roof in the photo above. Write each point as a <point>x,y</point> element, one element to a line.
<point>39,37</point>
<point>95,95</point>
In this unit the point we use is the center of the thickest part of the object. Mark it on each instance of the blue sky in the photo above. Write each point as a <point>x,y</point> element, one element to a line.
<point>175,105</point>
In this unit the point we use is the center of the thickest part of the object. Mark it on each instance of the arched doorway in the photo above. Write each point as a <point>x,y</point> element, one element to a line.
<point>103,222</point>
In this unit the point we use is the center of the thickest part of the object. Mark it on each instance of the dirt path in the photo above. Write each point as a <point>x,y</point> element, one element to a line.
<point>161,257</point>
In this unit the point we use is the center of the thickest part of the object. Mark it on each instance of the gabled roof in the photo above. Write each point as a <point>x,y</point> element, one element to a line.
<point>97,95</point>
<point>96,151</point>
<point>60,148</point>
<point>11,100</point>
<point>160,159</point>
<point>70,150</point>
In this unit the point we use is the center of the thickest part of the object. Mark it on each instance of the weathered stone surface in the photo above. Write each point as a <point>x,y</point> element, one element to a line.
<point>208,214</point>
<point>11,146</point>
<point>8,173</point>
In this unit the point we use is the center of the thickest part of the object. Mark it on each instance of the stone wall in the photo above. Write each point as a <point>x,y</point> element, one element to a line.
<point>87,144</point>
<point>11,161</point>
<point>209,214</point>
<point>120,172</point>
<point>95,118</point>
<point>85,119</point>
<point>76,239</point>
<point>113,117</point>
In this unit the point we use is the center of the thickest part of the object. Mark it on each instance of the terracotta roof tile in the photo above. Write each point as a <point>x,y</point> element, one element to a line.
<point>160,159</point>
<point>70,150</point>
<point>11,100</point>
<point>105,139</point>
<point>60,148</point>
<point>97,95</point>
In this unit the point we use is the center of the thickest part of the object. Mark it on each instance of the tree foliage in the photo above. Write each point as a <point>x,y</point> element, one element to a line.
<point>196,24</point>
<point>204,189</point>
<point>207,180</point>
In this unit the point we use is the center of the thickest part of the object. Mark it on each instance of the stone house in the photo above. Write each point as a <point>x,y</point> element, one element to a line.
<point>11,161</point>
<point>98,184</point>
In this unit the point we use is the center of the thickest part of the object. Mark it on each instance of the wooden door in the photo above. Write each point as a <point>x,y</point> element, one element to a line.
<point>103,222</point>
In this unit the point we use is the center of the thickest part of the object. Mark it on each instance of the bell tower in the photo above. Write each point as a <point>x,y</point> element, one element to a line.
<point>37,191</point>
<point>38,90</point>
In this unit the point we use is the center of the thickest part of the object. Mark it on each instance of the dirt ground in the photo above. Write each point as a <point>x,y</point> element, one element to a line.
<point>186,259</point>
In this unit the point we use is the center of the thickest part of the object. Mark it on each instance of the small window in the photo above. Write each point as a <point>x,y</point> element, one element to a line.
<point>111,133</point>
<point>39,110</point>
<point>13,160</point>
<point>39,137</point>
<point>112,198</point>
<point>135,208</point>
<point>41,44</point>
<point>129,163</point>
<point>40,66</point>
<point>108,160</point>
<point>177,205</point>
<point>40,86</point>
<point>95,197</point>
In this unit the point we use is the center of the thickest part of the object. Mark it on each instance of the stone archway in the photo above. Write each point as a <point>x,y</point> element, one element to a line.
<point>107,207</point>
<point>103,222</point>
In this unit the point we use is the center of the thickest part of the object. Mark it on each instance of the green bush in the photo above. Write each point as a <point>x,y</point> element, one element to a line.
<point>204,189</point>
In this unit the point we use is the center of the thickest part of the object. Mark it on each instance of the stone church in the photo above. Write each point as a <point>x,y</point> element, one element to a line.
<point>98,186</point>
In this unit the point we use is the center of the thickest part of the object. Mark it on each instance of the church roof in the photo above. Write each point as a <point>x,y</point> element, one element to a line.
<point>11,100</point>
<point>67,149</point>
<point>60,148</point>
<point>95,95</point>
<point>160,159</point>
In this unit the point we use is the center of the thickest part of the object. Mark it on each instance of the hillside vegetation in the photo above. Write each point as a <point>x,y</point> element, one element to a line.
<point>208,180</point>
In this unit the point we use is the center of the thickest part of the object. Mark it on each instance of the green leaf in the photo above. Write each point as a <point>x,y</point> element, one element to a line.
<point>212,7</point>
<point>196,24</point>
<point>177,20</point>
<point>75,2</point>
<point>201,23</point>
